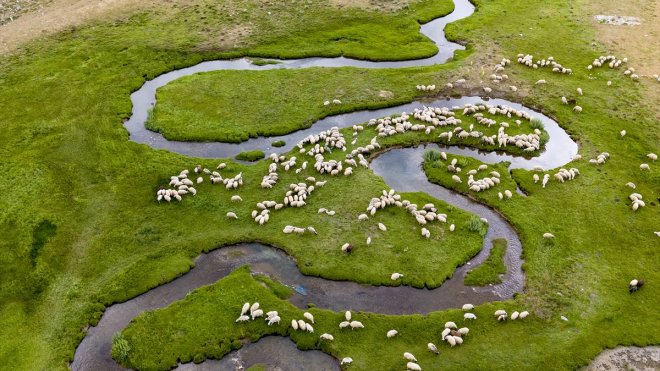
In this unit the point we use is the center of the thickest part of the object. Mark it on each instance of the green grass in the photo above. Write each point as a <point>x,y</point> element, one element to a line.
<point>67,159</point>
<point>278,143</point>
<point>251,156</point>
<point>491,269</point>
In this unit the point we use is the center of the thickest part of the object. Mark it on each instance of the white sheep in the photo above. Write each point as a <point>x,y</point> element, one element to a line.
<point>548,235</point>
<point>347,315</point>
<point>432,348</point>
<point>450,325</point>
<point>243,318</point>
<point>309,317</point>
<point>469,316</point>
<point>236,198</point>
<point>412,366</point>
<point>644,167</point>
<point>392,333</point>
<point>232,215</point>
<point>346,360</point>
<point>409,357</point>
<point>382,227</point>
<point>652,156</point>
<point>246,307</point>
<point>327,336</point>
<point>356,324</point>
<point>395,276</point>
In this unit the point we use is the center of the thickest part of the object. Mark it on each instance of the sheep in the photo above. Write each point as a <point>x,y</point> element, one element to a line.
<point>294,324</point>
<point>368,240</point>
<point>631,185</point>
<point>445,332</point>
<point>548,235</point>
<point>469,316</point>
<point>409,357</point>
<point>523,314</point>
<point>344,324</point>
<point>232,215</point>
<point>450,325</point>
<point>652,156</point>
<point>246,307</point>
<point>577,109</point>
<point>644,167</point>
<point>356,324</point>
<point>242,318</point>
<point>382,227</point>
<point>312,230</point>
<point>450,340</point>
<point>396,276</point>
<point>412,366</point>
<point>309,328</point>
<point>302,325</point>
<point>579,91</point>
<point>392,333</point>
<point>336,101</point>
<point>327,336</point>
<point>347,248</point>
<point>452,228</point>
<point>309,316</point>
<point>564,100</point>
<point>623,133</point>
<point>456,178</point>
<point>274,319</point>
<point>426,233</point>
<point>500,312</point>
<point>362,217</point>
<point>463,331</point>
<point>540,82</point>
<point>508,194</point>
<point>635,285</point>
<point>236,198</point>
<point>347,315</point>
<point>346,360</point>
<point>536,178</point>
<point>432,348</point>
<point>514,315</point>
<point>257,313</point>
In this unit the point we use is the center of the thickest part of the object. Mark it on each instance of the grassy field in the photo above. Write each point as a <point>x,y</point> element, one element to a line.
<point>491,269</point>
<point>82,230</point>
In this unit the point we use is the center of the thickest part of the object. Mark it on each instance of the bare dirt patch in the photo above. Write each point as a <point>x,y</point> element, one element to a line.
<point>39,20</point>
<point>379,5</point>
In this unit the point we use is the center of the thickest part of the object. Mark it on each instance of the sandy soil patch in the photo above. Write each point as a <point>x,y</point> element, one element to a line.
<point>380,5</point>
<point>627,358</point>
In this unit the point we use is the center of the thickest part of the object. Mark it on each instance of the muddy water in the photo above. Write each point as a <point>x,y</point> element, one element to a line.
<point>394,166</point>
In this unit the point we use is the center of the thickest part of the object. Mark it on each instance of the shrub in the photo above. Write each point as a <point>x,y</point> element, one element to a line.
<point>279,143</point>
<point>475,224</point>
<point>431,155</point>
<point>536,124</point>
<point>251,156</point>
<point>120,348</point>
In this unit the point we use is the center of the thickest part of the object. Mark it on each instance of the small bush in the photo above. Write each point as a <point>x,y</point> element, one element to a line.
<point>279,143</point>
<point>120,348</point>
<point>431,155</point>
<point>475,224</point>
<point>251,156</point>
<point>536,124</point>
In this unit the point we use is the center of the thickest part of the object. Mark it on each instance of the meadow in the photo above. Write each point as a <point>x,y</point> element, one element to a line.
<point>82,229</point>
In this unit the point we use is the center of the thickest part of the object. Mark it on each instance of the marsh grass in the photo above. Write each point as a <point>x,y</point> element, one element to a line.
<point>491,270</point>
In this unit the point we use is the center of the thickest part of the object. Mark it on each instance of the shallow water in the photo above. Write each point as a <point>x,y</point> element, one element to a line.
<point>394,165</point>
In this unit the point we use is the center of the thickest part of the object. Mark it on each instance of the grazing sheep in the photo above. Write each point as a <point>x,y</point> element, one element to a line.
<point>344,324</point>
<point>382,227</point>
<point>347,248</point>
<point>523,314</point>
<point>294,324</point>
<point>577,109</point>
<point>257,313</point>
<point>409,357</point>
<point>309,316</point>
<point>236,198</point>
<point>579,91</point>
<point>243,318</point>
<point>623,133</point>
<point>274,319</point>
<point>540,82</point>
<point>392,333</point>
<point>356,324</point>
<point>469,316</point>
<point>232,215</point>
<point>412,366</point>
<point>635,285</point>
<point>564,100</point>
<point>450,325</point>
<point>452,228</point>
<point>302,325</point>
<point>548,235</point>
<point>652,156</point>
<point>644,167</point>
<point>432,348</point>
<point>451,340</point>
<point>396,276</point>
<point>514,315</point>
<point>463,331</point>
<point>327,336</point>
<point>346,360</point>
<point>246,307</point>
<point>631,185</point>
<point>500,312</point>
